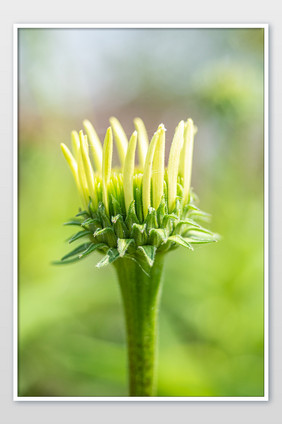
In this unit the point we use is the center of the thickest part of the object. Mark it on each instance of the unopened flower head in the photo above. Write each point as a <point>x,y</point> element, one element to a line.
<point>134,210</point>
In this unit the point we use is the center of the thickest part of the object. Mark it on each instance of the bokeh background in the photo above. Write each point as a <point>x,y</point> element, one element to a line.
<point>71,327</point>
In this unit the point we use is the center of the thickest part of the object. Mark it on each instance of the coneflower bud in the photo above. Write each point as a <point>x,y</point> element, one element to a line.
<point>134,210</point>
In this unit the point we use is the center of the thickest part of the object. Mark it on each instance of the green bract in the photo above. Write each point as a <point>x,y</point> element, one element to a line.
<point>134,211</point>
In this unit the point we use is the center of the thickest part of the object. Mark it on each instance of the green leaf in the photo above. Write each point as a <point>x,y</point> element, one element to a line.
<point>123,245</point>
<point>149,253</point>
<point>80,234</point>
<point>110,257</point>
<point>78,249</point>
<point>181,241</point>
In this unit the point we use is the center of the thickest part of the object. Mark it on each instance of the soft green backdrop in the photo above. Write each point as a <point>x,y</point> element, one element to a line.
<point>71,328</point>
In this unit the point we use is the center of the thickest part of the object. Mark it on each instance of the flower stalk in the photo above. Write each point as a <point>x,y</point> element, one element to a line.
<point>134,215</point>
<point>141,292</point>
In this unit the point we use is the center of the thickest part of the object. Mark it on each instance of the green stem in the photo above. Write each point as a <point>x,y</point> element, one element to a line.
<point>141,298</point>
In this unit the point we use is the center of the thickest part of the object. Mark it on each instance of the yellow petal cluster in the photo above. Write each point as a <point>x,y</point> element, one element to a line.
<point>88,175</point>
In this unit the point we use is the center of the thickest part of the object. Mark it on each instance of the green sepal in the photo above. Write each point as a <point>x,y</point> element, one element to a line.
<point>123,245</point>
<point>91,248</point>
<point>66,262</point>
<point>208,238</point>
<point>168,222</point>
<point>111,256</point>
<point>200,230</point>
<point>86,252</point>
<point>131,217</point>
<point>138,204</point>
<point>82,213</point>
<point>78,249</point>
<point>90,209</point>
<point>194,198</point>
<point>73,222</point>
<point>91,221</point>
<point>103,215</point>
<point>106,235</point>
<point>157,237</point>
<point>79,235</point>
<point>139,235</point>
<point>193,210</point>
<point>117,210</point>
<point>169,217</point>
<point>178,207</point>
<point>151,219</point>
<point>181,241</point>
<point>179,190</point>
<point>161,211</point>
<point>149,252</point>
<point>189,222</point>
<point>119,226</point>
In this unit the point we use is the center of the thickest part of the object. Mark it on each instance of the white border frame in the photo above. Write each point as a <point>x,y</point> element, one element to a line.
<point>16,28</point>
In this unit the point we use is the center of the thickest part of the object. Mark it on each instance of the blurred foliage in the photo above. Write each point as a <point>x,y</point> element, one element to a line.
<point>71,327</point>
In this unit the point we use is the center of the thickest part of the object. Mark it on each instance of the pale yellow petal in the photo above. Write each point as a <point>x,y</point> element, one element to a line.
<point>95,145</point>
<point>107,165</point>
<point>146,186</point>
<point>185,167</point>
<point>71,161</point>
<point>120,139</point>
<point>80,167</point>
<point>158,169</point>
<point>128,171</point>
<point>143,141</point>
<point>88,168</point>
<point>173,165</point>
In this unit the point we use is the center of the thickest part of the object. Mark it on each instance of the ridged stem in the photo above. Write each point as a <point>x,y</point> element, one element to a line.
<point>141,299</point>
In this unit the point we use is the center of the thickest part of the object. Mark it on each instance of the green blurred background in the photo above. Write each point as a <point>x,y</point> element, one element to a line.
<point>71,327</point>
